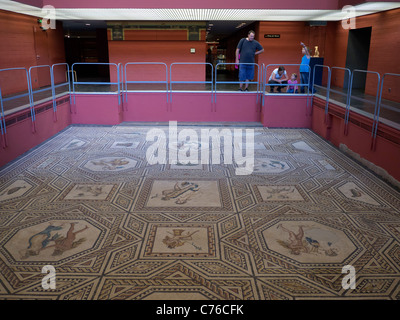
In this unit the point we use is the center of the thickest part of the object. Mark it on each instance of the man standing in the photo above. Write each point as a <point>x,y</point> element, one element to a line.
<point>247,48</point>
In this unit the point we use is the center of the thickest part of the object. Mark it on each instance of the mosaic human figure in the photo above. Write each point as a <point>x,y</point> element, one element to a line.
<point>295,244</point>
<point>179,190</point>
<point>178,238</point>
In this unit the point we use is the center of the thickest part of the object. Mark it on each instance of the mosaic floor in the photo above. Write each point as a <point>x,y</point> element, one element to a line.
<point>113,226</point>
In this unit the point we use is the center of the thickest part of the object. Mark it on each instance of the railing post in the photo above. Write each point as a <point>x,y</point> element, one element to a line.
<point>32,106</point>
<point>347,108</point>
<point>327,89</point>
<point>2,124</point>
<point>376,113</point>
<point>378,110</point>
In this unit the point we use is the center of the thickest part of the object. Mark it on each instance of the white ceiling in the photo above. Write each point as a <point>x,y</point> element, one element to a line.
<point>225,20</point>
<point>197,14</point>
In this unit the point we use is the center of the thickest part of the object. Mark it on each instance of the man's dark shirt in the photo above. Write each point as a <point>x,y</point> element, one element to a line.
<point>247,50</point>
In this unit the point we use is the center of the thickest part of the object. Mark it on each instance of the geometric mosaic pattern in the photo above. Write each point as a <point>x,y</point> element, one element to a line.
<point>88,202</point>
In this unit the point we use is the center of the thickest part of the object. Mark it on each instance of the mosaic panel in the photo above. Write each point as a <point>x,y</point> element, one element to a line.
<point>116,227</point>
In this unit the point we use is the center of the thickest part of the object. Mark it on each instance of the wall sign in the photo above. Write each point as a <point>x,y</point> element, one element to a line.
<point>272,35</point>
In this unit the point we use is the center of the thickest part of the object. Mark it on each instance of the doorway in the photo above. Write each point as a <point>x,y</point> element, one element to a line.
<point>90,46</point>
<point>357,56</point>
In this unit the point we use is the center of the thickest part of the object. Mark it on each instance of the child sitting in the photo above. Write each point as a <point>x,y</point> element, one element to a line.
<point>291,81</point>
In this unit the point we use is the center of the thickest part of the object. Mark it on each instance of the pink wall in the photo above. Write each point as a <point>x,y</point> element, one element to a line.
<point>96,109</point>
<point>20,137</point>
<point>278,111</point>
<point>386,150</point>
<point>289,111</point>
<point>192,107</point>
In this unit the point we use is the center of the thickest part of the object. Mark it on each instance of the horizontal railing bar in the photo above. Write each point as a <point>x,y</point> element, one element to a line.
<point>200,82</point>
<point>338,92</point>
<point>390,107</point>
<point>161,82</point>
<point>61,84</point>
<point>98,83</point>
<point>88,92</point>
<point>362,99</point>
<point>42,90</point>
<point>16,97</point>
<point>236,82</point>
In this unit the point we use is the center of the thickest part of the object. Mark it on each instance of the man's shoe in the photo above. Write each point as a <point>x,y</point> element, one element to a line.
<point>246,89</point>
<point>240,89</point>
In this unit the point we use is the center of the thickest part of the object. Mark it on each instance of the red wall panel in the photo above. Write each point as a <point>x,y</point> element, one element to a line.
<point>284,50</point>
<point>24,44</point>
<point>147,35</point>
<point>159,51</point>
<point>384,49</point>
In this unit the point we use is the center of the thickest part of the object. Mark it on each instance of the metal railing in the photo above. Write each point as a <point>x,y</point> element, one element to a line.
<point>15,97</point>
<point>171,82</point>
<point>122,82</point>
<point>54,86</point>
<point>380,104</point>
<point>258,82</point>
<point>44,88</point>
<point>2,123</point>
<point>118,83</point>
<point>375,118</point>
<point>347,95</point>
<point>321,87</point>
<point>265,83</point>
<point>142,81</point>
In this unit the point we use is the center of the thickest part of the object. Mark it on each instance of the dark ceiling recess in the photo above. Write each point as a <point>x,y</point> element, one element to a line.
<point>216,30</point>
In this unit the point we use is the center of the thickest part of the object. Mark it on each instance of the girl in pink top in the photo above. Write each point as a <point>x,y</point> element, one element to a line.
<point>293,80</point>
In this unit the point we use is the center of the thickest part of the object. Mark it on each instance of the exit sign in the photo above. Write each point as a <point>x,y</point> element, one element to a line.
<point>272,35</point>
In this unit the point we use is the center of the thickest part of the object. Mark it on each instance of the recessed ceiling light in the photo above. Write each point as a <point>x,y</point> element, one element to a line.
<point>241,25</point>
